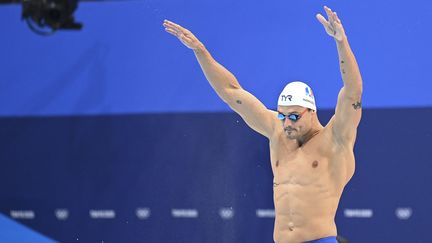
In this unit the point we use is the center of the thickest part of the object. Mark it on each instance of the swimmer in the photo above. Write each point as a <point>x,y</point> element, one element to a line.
<point>311,163</point>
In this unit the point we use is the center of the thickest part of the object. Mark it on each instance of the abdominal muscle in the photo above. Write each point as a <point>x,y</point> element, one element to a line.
<point>303,213</point>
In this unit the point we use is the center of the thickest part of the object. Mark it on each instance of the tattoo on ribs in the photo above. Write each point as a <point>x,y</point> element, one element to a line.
<point>239,102</point>
<point>357,105</point>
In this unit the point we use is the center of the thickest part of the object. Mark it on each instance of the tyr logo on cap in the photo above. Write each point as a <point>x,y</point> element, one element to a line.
<point>285,97</point>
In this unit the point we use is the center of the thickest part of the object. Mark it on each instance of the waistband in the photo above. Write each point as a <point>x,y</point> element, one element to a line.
<point>330,239</point>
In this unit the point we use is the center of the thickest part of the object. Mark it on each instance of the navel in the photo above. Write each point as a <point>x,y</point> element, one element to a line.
<point>277,163</point>
<point>291,226</point>
<point>315,164</point>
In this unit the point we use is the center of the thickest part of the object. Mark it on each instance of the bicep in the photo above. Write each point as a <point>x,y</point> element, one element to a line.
<point>347,116</point>
<point>253,112</point>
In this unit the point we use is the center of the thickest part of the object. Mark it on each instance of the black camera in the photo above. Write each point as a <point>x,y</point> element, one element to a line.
<point>54,14</point>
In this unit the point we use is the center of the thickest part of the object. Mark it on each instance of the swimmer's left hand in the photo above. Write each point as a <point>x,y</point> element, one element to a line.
<point>333,26</point>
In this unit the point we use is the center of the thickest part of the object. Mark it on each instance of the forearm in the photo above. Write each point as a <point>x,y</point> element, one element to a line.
<point>349,69</point>
<point>219,77</point>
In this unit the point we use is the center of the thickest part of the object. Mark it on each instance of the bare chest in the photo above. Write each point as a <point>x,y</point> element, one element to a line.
<point>314,163</point>
<point>299,168</point>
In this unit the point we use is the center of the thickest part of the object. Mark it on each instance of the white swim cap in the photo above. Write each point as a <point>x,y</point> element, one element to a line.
<point>297,93</point>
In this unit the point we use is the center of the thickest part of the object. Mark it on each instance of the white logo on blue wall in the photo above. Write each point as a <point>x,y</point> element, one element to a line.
<point>403,213</point>
<point>226,213</point>
<point>61,214</point>
<point>142,213</point>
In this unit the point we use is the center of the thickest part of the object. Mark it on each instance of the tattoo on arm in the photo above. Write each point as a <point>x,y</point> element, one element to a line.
<point>343,70</point>
<point>239,102</point>
<point>357,105</point>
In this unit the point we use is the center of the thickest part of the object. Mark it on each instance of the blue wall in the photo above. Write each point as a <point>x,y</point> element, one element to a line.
<point>119,117</point>
<point>123,61</point>
<point>204,162</point>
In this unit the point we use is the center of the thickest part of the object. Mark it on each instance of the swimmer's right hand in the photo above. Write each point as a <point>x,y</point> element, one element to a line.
<point>183,34</point>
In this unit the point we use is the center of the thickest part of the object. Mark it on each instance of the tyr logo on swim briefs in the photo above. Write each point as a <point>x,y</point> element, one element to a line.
<point>285,97</point>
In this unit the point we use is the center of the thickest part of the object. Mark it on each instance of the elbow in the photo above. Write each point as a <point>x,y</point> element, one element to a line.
<point>359,85</point>
<point>354,90</point>
<point>358,91</point>
<point>225,96</point>
<point>226,100</point>
<point>229,95</point>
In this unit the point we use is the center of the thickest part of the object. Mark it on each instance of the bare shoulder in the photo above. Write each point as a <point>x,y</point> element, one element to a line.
<point>322,141</point>
<point>326,144</point>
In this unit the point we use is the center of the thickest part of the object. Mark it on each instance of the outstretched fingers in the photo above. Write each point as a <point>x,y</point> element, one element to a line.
<point>171,24</point>
<point>171,31</point>
<point>330,14</point>
<point>332,24</point>
<point>321,19</point>
<point>173,28</point>
<point>337,18</point>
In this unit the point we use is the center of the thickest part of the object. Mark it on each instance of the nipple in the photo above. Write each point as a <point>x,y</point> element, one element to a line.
<point>315,164</point>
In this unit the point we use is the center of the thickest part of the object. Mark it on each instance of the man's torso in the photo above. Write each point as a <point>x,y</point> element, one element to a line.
<point>308,183</point>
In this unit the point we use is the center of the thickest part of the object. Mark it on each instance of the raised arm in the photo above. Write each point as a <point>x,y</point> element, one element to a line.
<point>348,109</point>
<point>253,112</point>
